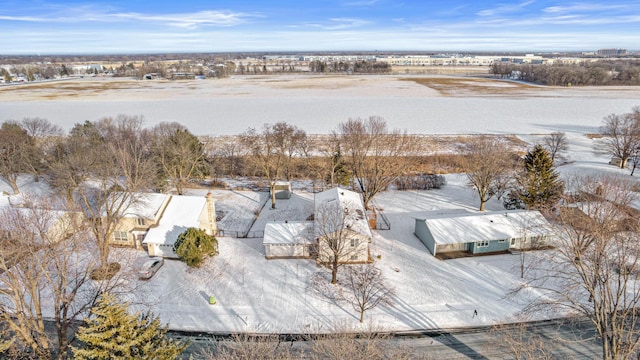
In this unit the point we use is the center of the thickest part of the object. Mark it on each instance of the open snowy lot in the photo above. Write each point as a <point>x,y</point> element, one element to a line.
<point>259,295</point>
<point>318,103</point>
<point>268,296</point>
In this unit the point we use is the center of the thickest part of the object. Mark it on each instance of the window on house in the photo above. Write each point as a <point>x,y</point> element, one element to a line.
<point>120,236</point>
<point>354,257</point>
<point>140,221</point>
<point>513,242</point>
<point>483,243</point>
<point>502,240</point>
<point>354,242</point>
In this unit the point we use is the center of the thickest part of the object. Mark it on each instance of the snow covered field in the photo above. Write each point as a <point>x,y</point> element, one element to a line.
<point>318,103</point>
<point>259,295</point>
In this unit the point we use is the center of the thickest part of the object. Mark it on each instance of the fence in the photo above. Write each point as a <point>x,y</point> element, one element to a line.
<point>385,224</point>
<point>240,234</point>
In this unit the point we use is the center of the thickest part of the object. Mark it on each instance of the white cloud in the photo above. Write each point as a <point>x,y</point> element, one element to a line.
<point>340,24</point>
<point>582,7</point>
<point>181,20</point>
<point>505,8</point>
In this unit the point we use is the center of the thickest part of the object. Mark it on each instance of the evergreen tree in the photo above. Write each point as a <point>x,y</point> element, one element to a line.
<point>194,245</point>
<point>111,332</point>
<point>540,186</point>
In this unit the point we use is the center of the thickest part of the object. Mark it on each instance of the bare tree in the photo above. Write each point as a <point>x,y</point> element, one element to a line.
<point>347,342</point>
<point>181,156</point>
<point>228,156</point>
<point>635,159</point>
<point>45,262</point>
<point>45,136</point>
<point>335,229</point>
<point>273,149</point>
<point>376,156</point>
<point>486,162</point>
<point>556,143</point>
<point>259,347</point>
<point>41,128</point>
<point>595,268</point>
<point>334,165</point>
<point>519,341</point>
<point>622,133</point>
<point>17,149</point>
<point>368,288</point>
<point>103,167</point>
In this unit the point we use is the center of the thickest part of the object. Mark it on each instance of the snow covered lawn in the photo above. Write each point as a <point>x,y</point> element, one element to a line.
<point>258,295</point>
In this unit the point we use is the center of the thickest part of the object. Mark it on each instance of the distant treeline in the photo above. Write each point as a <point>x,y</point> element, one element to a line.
<point>613,72</point>
<point>360,66</point>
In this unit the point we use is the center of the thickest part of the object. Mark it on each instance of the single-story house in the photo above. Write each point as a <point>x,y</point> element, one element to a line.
<point>41,224</point>
<point>282,189</point>
<point>339,218</point>
<point>286,240</point>
<point>487,232</point>
<point>340,212</point>
<point>181,213</point>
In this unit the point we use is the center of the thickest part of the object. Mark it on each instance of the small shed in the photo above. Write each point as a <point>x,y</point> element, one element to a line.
<point>288,240</point>
<point>481,233</point>
<point>282,190</point>
<point>618,162</point>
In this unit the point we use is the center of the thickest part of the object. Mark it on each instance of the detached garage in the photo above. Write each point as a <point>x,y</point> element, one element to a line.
<point>483,233</point>
<point>288,240</point>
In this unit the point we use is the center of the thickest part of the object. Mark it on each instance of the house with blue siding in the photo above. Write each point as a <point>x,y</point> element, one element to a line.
<point>483,233</point>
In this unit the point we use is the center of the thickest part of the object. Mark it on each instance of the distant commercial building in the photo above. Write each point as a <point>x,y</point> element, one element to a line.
<point>612,52</point>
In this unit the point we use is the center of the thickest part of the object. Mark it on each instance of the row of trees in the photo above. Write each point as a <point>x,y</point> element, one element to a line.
<point>599,73</point>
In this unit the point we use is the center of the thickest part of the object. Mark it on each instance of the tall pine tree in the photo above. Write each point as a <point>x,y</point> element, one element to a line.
<point>111,332</point>
<point>540,185</point>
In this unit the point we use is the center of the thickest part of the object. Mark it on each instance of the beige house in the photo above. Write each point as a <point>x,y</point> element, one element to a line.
<point>180,213</point>
<point>150,214</point>
<point>143,213</point>
<point>47,225</point>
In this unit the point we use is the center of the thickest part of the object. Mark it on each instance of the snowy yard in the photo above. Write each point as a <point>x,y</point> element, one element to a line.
<point>258,295</point>
<point>267,296</point>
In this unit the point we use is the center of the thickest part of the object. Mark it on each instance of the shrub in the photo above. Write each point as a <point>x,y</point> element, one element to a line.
<point>194,245</point>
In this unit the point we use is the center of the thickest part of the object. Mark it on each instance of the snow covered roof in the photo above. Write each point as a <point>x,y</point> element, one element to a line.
<point>145,205</point>
<point>487,226</point>
<point>297,232</point>
<point>181,213</point>
<point>45,218</point>
<point>348,201</point>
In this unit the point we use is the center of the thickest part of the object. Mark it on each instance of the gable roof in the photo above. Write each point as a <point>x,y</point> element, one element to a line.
<point>297,232</point>
<point>341,200</point>
<point>489,226</point>
<point>145,205</point>
<point>181,213</point>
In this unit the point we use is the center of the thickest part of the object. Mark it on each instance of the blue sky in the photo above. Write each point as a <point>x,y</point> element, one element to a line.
<point>89,27</point>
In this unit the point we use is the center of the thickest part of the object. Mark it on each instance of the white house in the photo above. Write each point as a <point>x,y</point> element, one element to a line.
<point>180,213</point>
<point>341,211</point>
<point>337,211</point>
<point>289,240</point>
